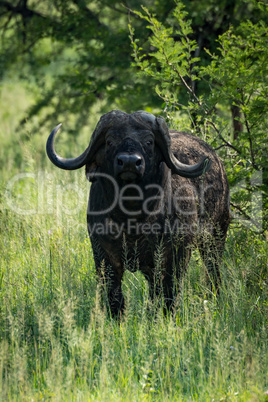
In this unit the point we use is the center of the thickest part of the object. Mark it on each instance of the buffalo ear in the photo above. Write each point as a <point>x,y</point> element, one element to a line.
<point>91,170</point>
<point>94,165</point>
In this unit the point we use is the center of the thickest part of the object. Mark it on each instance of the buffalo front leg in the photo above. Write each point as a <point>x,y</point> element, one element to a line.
<point>111,288</point>
<point>110,278</point>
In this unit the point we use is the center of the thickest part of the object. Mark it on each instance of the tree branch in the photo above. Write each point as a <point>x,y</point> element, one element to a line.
<point>22,10</point>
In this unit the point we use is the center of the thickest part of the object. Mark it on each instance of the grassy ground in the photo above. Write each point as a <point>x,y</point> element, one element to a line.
<point>57,343</point>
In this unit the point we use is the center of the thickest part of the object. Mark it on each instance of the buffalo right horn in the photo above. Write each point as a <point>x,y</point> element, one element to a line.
<point>97,139</point>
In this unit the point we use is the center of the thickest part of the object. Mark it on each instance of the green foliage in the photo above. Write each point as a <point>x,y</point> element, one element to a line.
<point>77,52</point>
<point>237,77</point>
<point>174,55</point>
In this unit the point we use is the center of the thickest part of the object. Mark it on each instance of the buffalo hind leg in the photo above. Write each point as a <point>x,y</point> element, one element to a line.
<point>161,291</point>
<point>211,249</point>
<point>164,284</point>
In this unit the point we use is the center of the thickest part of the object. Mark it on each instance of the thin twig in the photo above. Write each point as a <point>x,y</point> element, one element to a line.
<point>227,143</point>
<point>189,89</point>
<point>250,144</point>
<point>221,146</point>
<point>246,216</point>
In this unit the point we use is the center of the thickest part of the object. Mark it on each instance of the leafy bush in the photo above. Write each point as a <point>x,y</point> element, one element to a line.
<point>232,88</point>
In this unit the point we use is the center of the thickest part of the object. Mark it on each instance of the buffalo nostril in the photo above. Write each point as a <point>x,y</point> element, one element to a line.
<point>132,162</point>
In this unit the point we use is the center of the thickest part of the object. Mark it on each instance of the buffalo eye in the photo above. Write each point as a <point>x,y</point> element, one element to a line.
<point>109,143</point>
<point>149,142</point>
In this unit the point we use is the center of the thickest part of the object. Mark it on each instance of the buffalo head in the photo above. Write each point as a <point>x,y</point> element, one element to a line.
<point>131,145</point>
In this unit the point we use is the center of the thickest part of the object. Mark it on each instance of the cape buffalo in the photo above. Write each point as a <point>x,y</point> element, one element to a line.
<point>155,194</point>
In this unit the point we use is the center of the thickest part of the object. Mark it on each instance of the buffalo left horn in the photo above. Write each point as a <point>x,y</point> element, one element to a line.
<point>73,163</point>
<point>162,138</point>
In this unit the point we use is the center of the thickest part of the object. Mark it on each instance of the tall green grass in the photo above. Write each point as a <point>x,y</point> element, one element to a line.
<point>58,343</point>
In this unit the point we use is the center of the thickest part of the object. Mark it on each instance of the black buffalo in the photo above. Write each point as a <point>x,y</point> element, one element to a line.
<point>155,195</point>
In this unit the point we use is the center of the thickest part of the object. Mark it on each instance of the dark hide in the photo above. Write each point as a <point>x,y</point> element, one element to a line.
<point>156,228</point>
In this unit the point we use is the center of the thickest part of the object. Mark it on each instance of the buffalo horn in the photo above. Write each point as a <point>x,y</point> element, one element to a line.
<point>69,164</point>
<point>162,138</point>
